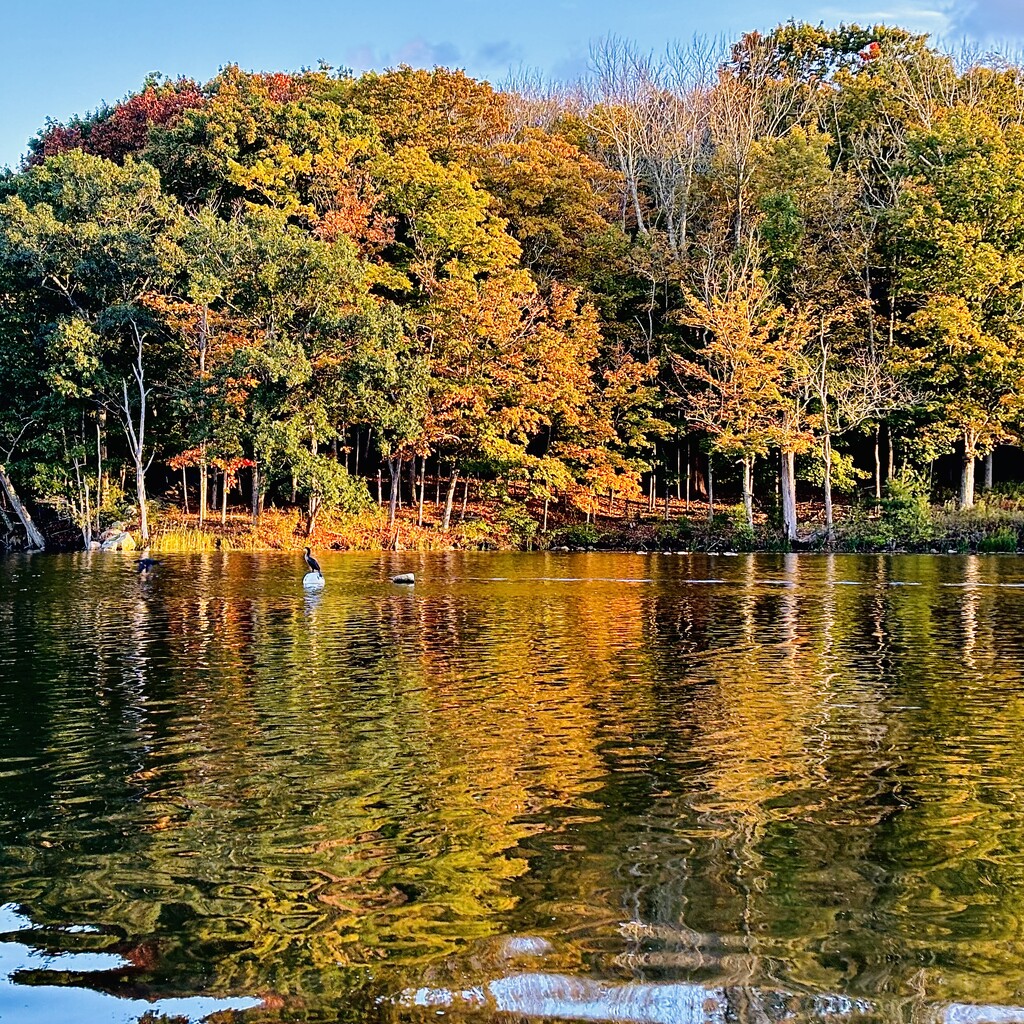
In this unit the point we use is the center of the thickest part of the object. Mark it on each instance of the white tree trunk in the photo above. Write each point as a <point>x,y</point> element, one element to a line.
<point>967,471</point>
<point>135,432</point>
<point>789,496</point>
<point>395,467</point>
<point>748,489</point>
<point>450,500</point>
<point>878,464</point>
<point>829,519</point>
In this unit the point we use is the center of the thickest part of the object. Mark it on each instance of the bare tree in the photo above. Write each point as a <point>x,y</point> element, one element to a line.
<point>130,405</point>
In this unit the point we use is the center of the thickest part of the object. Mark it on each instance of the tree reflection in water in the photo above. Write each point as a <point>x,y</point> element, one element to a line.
<point>797,786</point>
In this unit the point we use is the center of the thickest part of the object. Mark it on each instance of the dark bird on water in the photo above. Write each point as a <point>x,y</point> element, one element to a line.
<point>314,565</point>
<point>146,565</point>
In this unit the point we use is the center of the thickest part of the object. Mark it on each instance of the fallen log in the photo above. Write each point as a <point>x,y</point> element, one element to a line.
<point>34,537</point>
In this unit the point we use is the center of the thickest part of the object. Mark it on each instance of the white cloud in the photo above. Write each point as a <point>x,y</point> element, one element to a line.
<point>991,20</point>
<point>935,16</point>
<point>416,52</point>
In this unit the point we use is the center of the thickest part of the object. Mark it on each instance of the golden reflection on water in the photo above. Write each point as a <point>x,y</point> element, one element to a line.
<point>784,774</point>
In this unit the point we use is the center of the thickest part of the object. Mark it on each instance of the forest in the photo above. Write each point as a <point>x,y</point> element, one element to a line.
<point>717,273</point>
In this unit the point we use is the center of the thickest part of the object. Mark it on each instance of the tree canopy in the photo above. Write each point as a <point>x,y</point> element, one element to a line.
<point>763,252</point>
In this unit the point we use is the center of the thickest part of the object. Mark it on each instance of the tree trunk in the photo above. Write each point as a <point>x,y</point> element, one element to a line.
<point>140,494</point>
<point>380,486</point>
<point>255,490</point>
<point>204,485</point>
<point>314,511</point>
<point>184,489</point>
<point>84,511</point>
<point>878,464</point>
<point>789,495</point>
<point>544,527</point>
<point>967,471</point>
<point>988,472</point>
<point>100,420</point>
<point>224,497</point>
<point>35,538</point>
<point>423,487</point>
<point>453,483</point>
<point>827,452</point>
<point>688,477</point>
<point>395,468</point>
<point>87,532</point>
<point>747,465</point>
<point>711,492</point>
<point>135,432</point>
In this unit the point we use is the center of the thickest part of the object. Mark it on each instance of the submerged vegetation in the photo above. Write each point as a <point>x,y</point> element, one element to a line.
<point>335,306</point>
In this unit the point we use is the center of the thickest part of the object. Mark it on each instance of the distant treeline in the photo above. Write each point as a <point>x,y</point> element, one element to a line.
<point>758,261</point>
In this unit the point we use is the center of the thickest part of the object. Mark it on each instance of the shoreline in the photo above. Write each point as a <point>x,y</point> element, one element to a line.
<point>994,526</point>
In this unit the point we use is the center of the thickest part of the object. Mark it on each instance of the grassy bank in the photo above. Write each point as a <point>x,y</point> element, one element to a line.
<point>902,521</point>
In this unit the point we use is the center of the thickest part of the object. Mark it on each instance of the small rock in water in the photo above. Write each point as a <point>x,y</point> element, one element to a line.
<point>405,577</point>
<point>524,945</point>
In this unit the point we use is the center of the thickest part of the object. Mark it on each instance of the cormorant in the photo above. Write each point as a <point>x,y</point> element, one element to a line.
<point>146,565</point>
<point>314,565</point>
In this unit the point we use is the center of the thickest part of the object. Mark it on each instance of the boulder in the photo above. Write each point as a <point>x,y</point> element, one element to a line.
<point>405,577</point>
<point>118,542</point>
<point>112,531</point>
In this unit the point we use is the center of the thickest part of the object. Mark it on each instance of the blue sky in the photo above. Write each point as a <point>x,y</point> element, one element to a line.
<point>59,57</point>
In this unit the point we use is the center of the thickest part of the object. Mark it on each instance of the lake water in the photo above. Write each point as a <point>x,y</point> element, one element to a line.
<point>660,789</point>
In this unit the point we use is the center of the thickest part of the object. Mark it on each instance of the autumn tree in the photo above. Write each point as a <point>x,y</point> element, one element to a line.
<point>91,241</point>
<point>739,385</point>
<point>122,130</point>
<point>964,273</point>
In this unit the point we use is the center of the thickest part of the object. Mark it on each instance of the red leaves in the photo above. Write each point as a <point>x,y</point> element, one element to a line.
<point>124,131</point>
<point>230,468</point>
<point>57,138</point>
<point>229,465</point>
<point>187,459</point>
